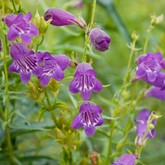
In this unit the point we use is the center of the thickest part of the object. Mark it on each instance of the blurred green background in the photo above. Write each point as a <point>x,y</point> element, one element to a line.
<point>119,18</point>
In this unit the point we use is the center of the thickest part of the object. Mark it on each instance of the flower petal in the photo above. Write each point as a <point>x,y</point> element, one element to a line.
<point>12,68</point>
<point>44,80</point>
<point>89,131</point>
<point>98,86</point>
<point>76,124</point>
<point>58,74</point>
<point>86,95</point>
<point>33,30</point>
<point>28,17</point>
<point>101,121</point>
<point>12,33</point>
<point>62,60</point>
<point>26,38</point>
<point>25,77</point>
<point>72,87</point>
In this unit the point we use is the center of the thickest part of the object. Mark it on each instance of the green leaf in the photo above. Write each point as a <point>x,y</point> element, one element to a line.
<point>112,12</point>
<point>110,118</point>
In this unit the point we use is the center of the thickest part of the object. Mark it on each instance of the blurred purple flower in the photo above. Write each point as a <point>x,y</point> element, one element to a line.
<point>99,39</point>
<point>126,159</point>
<point>142,127</point>
<point>24,62</point>
<point>52,66</point>
<point>85,81</point>
<point>60,17</point>
<point>149,66</point>
<point>78,3</point>
<point>89,117</point>
<point>156,92</point>
<point>19,25</point>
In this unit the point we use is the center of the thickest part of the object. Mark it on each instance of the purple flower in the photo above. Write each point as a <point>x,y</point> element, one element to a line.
<point>19,25</point>
<point>126,159</point>
<point>149,66</point>
<point>62,18</point>
<point>52,66</point>
<point>78,3</point>
<point>99,39</point>
<point>24,62</point>
<point>89,117</point>
<point>156,92</point>
<point>142,126</point>
<point>85,81</point>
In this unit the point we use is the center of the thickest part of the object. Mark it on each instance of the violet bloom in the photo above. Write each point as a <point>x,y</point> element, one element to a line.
<point>24,62</point>
<point>85,81</point>
<point>99,39</point>
<point>19,25</point>
<point>158,93</point>
<point>149,66</point>
<point>60,17</point>
<point>52,66</point>
<point>89,117</point>
<point>126,159</point>
<point>142,127</point>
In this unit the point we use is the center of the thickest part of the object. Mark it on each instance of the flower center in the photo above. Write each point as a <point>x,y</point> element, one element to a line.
<point>85,82</point>
<point>89,118</point>
<point>49,67</point>
<point>26,64</point>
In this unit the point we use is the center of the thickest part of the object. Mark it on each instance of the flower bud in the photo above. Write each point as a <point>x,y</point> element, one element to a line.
<point>63,18</point>
<point>99,39</point>
<point>40,23</point>
<point>156,19</point>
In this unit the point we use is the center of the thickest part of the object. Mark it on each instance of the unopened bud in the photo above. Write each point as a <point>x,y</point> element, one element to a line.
<point>156,19</point>
<point>99,39</point>
<point>40,23</point>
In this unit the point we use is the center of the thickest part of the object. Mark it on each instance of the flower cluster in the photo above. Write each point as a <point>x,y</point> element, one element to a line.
<point>27,62</point>
<point>46,66</point>
<point>150,69</point>
<point>43,65</point>
<point>84,80</point>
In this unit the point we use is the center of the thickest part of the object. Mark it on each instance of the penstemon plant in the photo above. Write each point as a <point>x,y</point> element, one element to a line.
<point>51,106</point>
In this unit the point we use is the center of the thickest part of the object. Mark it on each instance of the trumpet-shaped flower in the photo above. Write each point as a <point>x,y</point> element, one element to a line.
<point>60,17</point>
<point>149,66</point>
<point>158,93</point>
<point>85,81</point>
<point>19,25</point>
<point>52,66</point>
<point>89,117</point>
<point>126,159</point>
<point>143,128</point>
<point>99,39</point>
<point>24,62</point>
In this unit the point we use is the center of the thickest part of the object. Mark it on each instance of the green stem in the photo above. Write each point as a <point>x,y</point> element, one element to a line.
<point>93,14</point>
<point>42,39</point>
<point>87,31</point>
<point>50,111</point>
<point>110,143</point>
<point>146,41</point>
<point>129,63</point>
<point>13,3</point>
<point>85,47</point>
<point>6,112</point>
